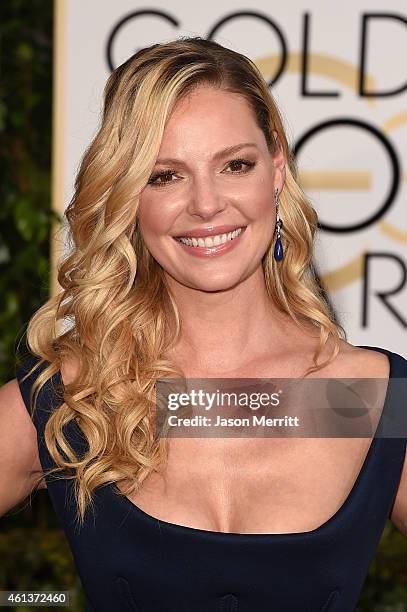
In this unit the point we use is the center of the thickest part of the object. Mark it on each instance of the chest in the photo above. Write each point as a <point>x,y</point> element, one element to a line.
<point>253,486</point>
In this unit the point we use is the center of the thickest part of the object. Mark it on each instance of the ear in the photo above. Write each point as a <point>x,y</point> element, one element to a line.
<point>279,162</point>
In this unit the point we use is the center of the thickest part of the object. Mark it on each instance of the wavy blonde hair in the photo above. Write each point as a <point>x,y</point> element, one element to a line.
<point>115,297</point>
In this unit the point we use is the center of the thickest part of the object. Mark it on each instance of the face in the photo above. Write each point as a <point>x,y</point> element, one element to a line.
<point>202,192</point>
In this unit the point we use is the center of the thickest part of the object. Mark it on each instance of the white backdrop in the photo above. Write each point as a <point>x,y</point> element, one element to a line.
<point>321,60</point>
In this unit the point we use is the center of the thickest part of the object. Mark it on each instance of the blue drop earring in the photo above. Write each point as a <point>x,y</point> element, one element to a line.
<point>278,247</point>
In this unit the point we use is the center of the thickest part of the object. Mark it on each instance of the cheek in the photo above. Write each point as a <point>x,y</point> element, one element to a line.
<point>260,201</point>
<point>152,217</point>
<point>147,220</point>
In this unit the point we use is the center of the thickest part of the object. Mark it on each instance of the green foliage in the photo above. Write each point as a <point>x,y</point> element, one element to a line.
<point>385,589</point>
<point>33,549</point>
<point>40,560</point>
<point>25,166</point>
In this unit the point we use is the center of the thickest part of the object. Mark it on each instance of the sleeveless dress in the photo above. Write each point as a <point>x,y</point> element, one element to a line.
<point>129,561</point>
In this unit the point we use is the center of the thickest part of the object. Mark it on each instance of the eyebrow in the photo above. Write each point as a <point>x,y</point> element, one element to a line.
<point>219,155</point>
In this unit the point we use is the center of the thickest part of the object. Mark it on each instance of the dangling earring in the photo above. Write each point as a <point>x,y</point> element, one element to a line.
<point>278,247</point>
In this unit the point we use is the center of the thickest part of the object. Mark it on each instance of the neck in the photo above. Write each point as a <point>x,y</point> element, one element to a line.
<point>223,330</point>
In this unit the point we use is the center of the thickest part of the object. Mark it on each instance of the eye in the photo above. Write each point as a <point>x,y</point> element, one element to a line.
<point>164,174</point>
<point>163,178</point>
<point>235,163</point>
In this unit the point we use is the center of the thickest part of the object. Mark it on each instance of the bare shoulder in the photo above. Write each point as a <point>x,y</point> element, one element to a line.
<point>355,362</point>
<point>13,407</point>
<point>18,447</point>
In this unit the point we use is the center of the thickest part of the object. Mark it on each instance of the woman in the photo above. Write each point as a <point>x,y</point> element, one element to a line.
<point>191,147</point>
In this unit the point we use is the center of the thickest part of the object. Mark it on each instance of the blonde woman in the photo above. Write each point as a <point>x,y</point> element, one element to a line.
<point>192,256</point>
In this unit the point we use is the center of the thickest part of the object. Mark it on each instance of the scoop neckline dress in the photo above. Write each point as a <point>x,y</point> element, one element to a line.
<point>325,528</point>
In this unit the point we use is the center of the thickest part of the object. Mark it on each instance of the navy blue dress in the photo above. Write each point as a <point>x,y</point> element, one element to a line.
<point>128,560</point>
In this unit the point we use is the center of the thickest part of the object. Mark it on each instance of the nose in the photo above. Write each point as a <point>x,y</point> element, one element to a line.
<point>205,200</point>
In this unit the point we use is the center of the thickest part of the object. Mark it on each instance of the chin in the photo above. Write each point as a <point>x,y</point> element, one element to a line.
<point>211,285</point>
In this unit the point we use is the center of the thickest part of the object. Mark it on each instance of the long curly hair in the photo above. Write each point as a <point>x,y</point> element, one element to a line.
<point>115,316</point>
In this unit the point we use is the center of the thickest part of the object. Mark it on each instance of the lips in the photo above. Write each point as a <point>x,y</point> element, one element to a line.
<point>209,231</point>
<point>211,246</point>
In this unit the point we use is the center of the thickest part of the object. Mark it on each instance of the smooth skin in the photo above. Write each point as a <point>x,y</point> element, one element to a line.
<point>226,333</point>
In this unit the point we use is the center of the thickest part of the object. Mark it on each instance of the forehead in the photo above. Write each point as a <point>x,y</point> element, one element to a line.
<point>209,114</point>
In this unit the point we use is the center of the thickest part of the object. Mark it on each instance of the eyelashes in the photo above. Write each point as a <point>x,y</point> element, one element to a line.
<point>164,174</point>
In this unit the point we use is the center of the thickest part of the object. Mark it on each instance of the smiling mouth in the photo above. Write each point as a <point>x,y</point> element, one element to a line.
<point>210,241</point>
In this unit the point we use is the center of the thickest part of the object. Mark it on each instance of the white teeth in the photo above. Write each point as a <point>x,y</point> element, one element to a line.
<point>210,241</point>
